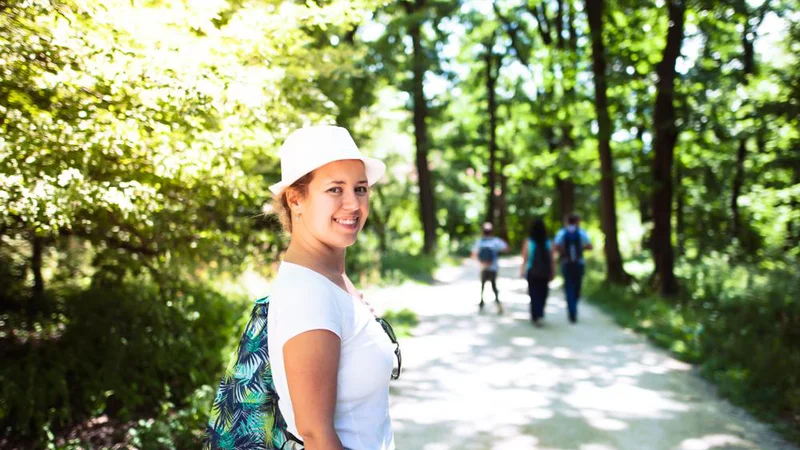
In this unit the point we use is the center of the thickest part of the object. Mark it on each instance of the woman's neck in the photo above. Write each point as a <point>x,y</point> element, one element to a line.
<point>317,256</point>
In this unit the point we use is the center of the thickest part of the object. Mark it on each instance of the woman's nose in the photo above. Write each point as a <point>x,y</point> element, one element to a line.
<point>351,201</point>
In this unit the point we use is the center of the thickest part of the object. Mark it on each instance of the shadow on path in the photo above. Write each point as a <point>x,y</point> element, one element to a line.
<point>483,381</point>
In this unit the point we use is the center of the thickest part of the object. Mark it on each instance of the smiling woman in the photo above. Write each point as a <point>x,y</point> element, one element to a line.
<point>334,206</point>
<point>330,360</point>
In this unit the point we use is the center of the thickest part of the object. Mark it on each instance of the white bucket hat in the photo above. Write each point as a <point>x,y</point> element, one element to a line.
<point>309,148</point>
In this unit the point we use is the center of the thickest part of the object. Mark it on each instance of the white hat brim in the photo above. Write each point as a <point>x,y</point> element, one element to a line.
<point>375,169</point>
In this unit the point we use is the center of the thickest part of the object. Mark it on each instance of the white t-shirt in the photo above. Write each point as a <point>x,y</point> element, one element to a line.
<point>304,300</point>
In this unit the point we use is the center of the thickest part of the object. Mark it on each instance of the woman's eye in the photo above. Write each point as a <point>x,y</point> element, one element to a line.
<point>361,190</point>
<point>335,190</point>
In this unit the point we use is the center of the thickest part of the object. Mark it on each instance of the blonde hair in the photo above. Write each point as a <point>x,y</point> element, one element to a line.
<point>280,203</point>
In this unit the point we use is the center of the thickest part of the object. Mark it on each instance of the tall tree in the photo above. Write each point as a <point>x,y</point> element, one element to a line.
<point>492,213</point>
<point>556,95</point>
<point>615,273</point>
<point>749,30</point>
<point>426,200</point>
<point>569,51</point>
<point>666,135</point>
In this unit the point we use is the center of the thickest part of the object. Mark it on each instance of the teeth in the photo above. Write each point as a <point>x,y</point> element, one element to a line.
<point>346,221</point>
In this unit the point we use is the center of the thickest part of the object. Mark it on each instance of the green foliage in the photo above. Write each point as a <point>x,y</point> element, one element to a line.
<point>137,142</point>
<point>119,350</point>
<point>738,322</point>
<point>399,267</point>
<point>137,139</point>
<point>403,321</point>
<point>149,129</point>
<point>174,429</point>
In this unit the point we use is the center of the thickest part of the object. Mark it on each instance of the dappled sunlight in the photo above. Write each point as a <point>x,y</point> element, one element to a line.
<point>523,341</point>
<point>148,179</point>
<point>486,381</point>
<point>715,441</point>
<point>600,421</point>
<point>623,399</point>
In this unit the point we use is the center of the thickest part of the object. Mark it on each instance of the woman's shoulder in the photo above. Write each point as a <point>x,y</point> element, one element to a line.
<point>293,281</point>
<point>302,300</point>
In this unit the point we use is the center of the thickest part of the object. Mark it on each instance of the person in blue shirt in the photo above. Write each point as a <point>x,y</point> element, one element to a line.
<point>486,251</point>
<point>571,241</point>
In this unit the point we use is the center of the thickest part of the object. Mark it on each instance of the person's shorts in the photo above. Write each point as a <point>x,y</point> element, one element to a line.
<point>488,275</point>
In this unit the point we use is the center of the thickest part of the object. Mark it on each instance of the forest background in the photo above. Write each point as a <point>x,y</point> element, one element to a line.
<point>139,136</point>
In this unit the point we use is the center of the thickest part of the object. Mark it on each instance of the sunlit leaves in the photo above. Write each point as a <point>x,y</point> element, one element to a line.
<point>122,120</point>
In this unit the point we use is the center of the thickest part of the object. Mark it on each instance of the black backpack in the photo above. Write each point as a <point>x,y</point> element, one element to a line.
<point>540,261</point>
<point>572,247</point>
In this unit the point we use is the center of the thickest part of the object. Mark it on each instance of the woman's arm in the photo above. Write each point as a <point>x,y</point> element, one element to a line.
<point>524,252</point>
<point>552,262</point>
<point>312,364</point>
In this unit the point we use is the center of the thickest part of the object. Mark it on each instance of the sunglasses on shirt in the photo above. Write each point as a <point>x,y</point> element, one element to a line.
<point>390,332</point>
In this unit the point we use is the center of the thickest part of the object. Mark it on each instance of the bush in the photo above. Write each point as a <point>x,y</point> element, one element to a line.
<point>399,267</point>
<point>402,321</point>
<point>122,351</point>
<point>175,429</point>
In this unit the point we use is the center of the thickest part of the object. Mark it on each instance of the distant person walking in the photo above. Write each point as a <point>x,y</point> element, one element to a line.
<point>571,241</point>
<point>538,267</point>
<point>486,251</point>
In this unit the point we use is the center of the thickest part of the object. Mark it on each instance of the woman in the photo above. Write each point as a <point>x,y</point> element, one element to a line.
<point>538,261</point>
<point>331,360</point>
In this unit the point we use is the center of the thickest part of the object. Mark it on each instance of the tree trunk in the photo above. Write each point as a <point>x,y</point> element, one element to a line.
<point>36,265</point>
<point>615,273</point>
<point>680,223</point>
<point>736,190</point>
<point>380,220</point>
<point>666,135</point>
<point>793,225</point>
<point>36,304</point>
<point>426,199</point>
<point>749,63</point>
<point>573,34</point>
<point>560,24</point>
<point>645,211</point>
<point>566,187</point>
<point>566,196</point>
<point>491,203</point>
<point>502,204</point>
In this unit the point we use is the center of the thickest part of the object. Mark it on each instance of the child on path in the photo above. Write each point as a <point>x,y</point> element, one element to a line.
<point>486,251</point>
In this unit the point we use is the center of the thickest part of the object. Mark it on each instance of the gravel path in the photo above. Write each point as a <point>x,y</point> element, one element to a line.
<point>485,381</point>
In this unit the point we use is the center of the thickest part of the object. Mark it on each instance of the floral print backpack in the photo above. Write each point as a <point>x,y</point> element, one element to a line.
<point>245,414</point>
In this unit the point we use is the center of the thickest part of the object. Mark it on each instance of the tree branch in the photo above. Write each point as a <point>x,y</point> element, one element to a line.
<point>540,14</point>
<point>512,34</point>
<point>560,24</point>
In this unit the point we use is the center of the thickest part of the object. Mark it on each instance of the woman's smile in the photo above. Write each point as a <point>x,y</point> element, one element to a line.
<point>349,223</point>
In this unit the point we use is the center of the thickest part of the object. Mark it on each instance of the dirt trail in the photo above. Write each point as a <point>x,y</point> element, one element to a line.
<point>495,382</point>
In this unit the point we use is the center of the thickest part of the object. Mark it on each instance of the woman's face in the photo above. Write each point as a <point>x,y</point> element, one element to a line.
<point>336,205</point>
